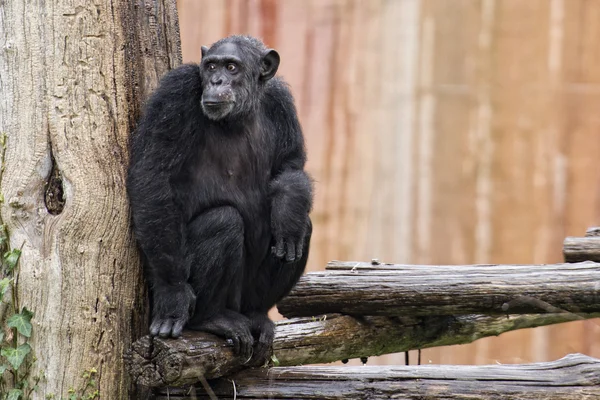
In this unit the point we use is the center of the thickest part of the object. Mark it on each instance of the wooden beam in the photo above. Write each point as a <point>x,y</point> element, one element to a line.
<point>573,377</point>
<point>576,249</point>
<point>593,231</point>
<point>159,362</point>
<point>421,290</point>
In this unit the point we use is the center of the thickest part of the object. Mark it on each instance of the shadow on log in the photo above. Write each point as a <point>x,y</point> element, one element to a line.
<point>573,377</point>
<point>169,362</point>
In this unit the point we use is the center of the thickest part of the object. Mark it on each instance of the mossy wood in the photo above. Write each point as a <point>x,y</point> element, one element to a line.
<point>299,341</point>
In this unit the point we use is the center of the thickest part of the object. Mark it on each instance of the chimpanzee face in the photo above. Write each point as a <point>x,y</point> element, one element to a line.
<point>232,78</point>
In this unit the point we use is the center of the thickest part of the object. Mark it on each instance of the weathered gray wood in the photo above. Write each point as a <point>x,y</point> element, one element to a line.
<point>303,341</point>
<point>593,231</point>
<point>576,249</point>
<point>573,377</point>
<point>364,289</point>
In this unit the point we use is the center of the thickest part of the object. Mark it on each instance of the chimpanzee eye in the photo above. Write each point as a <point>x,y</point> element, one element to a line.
<point>231,67</point>
<point>211,67</point>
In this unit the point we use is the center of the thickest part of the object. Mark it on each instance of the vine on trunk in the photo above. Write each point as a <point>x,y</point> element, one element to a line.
<point>17,381</point>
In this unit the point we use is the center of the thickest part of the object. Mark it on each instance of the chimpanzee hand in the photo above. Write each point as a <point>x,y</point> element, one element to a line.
<point>172,308</point>
<point>289,240</point>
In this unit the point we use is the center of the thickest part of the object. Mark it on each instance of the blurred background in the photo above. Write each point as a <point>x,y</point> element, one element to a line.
<point>440,132</point>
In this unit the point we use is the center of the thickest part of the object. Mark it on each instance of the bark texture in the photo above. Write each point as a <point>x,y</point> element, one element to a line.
<point>73,75</point>
<point>365,289</point>
<point>573,377</point>
<point>577,249</point>
<point>300,341</point>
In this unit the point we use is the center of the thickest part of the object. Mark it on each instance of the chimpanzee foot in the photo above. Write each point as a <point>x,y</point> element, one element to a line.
<point>263,330</point>
<point>233,327</point>
<point>172,307</point>
<point>167,327</point>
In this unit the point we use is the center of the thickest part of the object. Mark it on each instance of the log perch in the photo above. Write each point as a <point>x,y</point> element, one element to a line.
<point>422,290</point>
<point>176,362</point>
<point>573,377</point>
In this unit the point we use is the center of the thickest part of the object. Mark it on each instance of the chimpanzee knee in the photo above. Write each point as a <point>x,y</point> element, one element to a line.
<point>274,279</point>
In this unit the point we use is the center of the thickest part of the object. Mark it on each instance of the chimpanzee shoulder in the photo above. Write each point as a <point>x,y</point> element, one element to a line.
<point>279,107</point>
<point>175,100</point>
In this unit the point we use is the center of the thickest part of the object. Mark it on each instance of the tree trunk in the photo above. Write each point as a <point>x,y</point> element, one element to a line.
<point>73,75</point>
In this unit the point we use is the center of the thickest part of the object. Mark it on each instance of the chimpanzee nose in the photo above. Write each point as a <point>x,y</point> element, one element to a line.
<point>217,81</point>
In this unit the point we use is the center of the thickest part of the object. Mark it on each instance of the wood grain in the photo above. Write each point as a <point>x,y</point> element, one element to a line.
<point>363,289</point>
<point>577,249</point>
<point>573,377</point>
<point>300,341</point>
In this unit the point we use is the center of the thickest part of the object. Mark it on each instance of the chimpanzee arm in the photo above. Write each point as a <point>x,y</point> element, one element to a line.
<point>157,152</point>
<point>291,187</point>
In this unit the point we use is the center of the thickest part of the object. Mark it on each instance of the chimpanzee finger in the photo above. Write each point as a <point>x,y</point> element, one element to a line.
<point>279,248</point>
<point>236,344</point>
<point>290,252</point>
<point>299,249</point>
<point>246,348</point>
<point>263,347</point>
<point>165,329</point>
<point>177,328</point>
<point>155,327</point>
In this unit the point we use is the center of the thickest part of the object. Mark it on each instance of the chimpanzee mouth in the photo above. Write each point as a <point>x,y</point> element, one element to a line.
<point>216,110</point>
<point>215,104</point>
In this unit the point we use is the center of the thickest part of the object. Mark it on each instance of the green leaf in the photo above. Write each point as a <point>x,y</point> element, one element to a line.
<point>22,322</point>
<point>16,356</point>
<point>1,337</point>
<point>3,369</point>
<point>14,394</point>
<point>4,285</point>
<point>12,258</point>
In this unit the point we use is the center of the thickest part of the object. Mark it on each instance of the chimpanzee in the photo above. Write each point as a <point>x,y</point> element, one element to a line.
<point>219,196</point>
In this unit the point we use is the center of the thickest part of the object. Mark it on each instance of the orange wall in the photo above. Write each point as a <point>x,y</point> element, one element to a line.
<point>463,131</point>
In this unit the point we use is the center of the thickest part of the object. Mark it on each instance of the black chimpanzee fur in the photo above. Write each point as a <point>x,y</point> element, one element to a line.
<point>219,195</point>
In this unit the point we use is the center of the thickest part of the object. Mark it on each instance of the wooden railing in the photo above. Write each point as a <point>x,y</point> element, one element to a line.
<point>354,310</point>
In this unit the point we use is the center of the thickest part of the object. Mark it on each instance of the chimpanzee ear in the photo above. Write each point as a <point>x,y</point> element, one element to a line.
<point>204,50</point>
<point>269,64</point>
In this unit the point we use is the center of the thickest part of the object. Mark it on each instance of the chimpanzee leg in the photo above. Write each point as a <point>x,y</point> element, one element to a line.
<point>215,242</point>
<point>274,279</point>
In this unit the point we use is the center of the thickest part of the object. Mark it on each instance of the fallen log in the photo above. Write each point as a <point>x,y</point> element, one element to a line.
<point>421,290</point>
<point>573,377</point>
<point>163,362</point>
